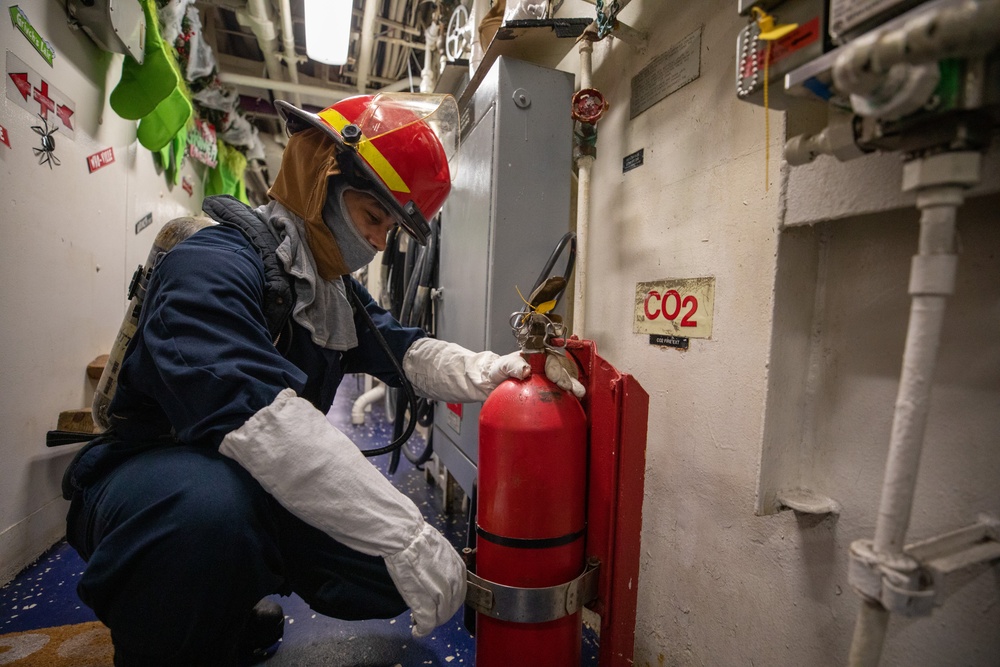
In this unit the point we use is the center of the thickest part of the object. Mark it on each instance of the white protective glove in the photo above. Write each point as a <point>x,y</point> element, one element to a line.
<point>448,372</point>
<point>562,371</point>
<point>320,476</point>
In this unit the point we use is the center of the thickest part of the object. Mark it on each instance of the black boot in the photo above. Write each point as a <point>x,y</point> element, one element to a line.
<point>262,632</point>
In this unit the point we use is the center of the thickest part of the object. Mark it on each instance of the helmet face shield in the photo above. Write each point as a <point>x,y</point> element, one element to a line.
<point>389,113</point>
<point>404,152</point>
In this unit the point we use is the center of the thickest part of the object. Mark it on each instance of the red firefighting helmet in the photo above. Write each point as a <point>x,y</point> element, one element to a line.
<point>398,145</point>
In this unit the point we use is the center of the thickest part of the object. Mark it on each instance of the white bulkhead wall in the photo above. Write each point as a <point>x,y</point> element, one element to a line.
<point>718,584</point>
<point>69,249</point>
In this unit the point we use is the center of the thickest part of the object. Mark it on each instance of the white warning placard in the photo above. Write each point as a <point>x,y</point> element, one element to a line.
<point>675,307</point>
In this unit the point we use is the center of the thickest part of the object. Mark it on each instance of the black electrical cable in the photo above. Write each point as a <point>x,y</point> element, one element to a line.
<point>426,278</point>
<point>407,312</point>
<point>412,268</point>
<point>388,257</point>
<point>568,237</point>
<point>410,317</point>
<point>407,387</point>
<point>393,285</point>
<point>419,315</point>
<point>425,412</point>
<point>469,615</point>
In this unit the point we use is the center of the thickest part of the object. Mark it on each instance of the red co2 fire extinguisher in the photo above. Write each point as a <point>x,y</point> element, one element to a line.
<point>531,521</point>
<point>559,515</point>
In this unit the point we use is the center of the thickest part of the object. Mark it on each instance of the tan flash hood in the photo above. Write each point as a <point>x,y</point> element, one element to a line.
<point>308,162</point>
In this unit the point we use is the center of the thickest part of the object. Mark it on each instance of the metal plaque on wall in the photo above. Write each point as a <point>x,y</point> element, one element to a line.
<point>667,73</point>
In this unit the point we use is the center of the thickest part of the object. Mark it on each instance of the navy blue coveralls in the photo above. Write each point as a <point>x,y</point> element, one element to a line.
<point>180,541</point>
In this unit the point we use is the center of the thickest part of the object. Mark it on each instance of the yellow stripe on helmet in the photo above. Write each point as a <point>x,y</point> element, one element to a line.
<point>372,156</point>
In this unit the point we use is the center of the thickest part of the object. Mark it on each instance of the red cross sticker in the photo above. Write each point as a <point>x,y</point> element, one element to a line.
<point>46,103</point>
<point>64,112</point>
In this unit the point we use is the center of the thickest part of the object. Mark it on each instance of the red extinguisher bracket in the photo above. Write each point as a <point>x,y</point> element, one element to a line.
<point>617,409</point>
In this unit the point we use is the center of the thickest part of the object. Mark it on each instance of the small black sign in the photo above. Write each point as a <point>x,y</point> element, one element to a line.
<point>669,341</point>
<point>633,160</point>
<point>146,221</point>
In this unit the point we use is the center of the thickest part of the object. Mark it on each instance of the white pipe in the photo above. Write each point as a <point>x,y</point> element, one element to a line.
<point>584,164</point>
<point>932,280</point>
<point>257,17</point>
<point>394,54</point>
<point>363,401</point>
<point>366,45</point>
<point>869,634</point>
<point>288,44</point>
<point>972,28</point>
<point>428,77</point>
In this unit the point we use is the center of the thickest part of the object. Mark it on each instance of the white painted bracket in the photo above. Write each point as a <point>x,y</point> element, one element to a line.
<point>808,502</point>
<point>635,38</point>
<point>959,549</point>
<point>911,583</point>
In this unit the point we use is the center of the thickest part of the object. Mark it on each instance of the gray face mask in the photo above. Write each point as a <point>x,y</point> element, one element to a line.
<point>357,251</point>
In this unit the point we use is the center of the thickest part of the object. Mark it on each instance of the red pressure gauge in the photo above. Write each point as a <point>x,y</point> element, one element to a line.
<point>588,105</point>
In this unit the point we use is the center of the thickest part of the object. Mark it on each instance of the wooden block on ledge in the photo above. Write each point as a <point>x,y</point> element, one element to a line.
<point>77,421</point>
<point>96,367</point>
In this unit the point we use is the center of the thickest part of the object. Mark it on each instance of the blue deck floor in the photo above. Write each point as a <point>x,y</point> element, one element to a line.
<point>44,595</point>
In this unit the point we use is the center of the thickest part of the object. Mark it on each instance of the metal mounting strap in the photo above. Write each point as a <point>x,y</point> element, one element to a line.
<point>532,605</point>
<point>910,583</point>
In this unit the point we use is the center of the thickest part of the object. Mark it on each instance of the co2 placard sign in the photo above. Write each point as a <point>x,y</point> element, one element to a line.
<point>675,307</point>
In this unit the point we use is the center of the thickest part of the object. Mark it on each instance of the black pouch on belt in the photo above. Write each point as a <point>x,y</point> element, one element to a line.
<point>102,455</point>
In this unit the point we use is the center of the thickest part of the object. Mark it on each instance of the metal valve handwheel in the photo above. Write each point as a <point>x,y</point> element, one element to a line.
<point>588,105</point>
<point>457,41</point>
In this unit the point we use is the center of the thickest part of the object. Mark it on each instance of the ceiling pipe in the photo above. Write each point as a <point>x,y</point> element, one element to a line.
<point>402,27</point>
<point>396,55</point>
<point>433,41</point>
<point>366,45</point>
<point>290,56</point>
<point>256,15</point>
<point>333,94</point>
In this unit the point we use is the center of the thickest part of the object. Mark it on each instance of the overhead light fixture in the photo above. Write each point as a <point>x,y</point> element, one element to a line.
<point>328,30</point>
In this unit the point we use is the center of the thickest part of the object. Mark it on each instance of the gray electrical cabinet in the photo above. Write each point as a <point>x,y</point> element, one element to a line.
<point>508,209</point>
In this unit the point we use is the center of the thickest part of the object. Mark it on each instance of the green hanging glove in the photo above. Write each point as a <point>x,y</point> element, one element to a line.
<point>179,145</point>
<point>170,116</point>
<point>171,156</point>
<point>142,87</point>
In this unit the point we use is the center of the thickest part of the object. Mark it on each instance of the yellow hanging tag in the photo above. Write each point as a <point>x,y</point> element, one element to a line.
<point>541,308</point>
<point>770,33</point>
